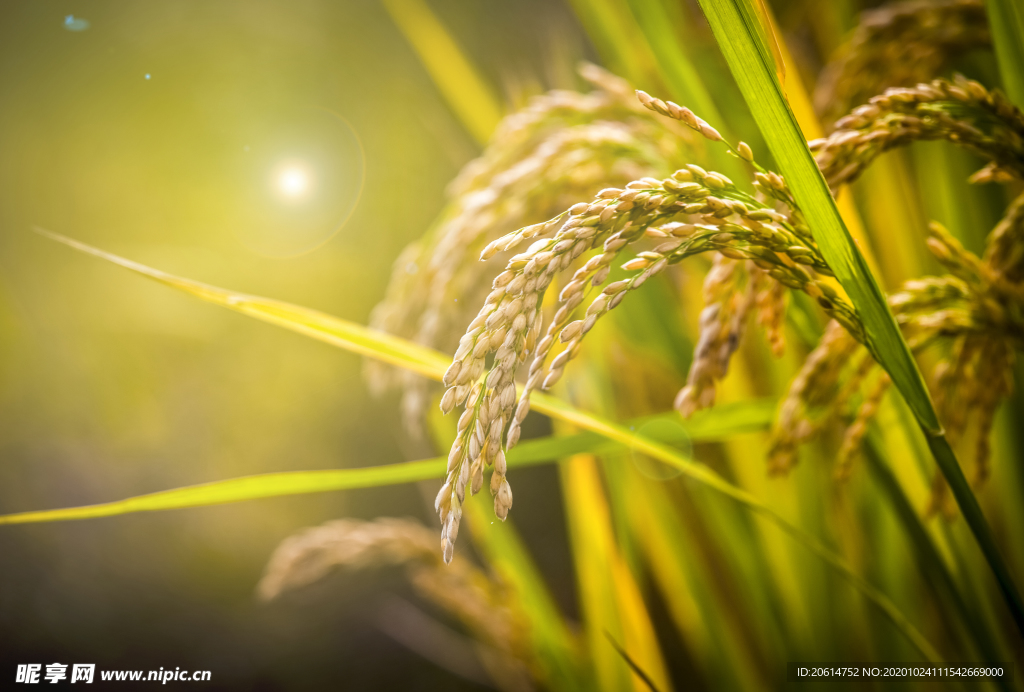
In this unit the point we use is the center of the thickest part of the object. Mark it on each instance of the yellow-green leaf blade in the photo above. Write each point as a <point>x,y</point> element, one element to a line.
<point>241,489</point>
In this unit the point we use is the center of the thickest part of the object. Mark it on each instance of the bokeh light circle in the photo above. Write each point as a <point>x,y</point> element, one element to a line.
<point>302,173</point>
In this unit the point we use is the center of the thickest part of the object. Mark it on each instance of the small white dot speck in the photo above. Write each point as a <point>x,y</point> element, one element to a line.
<point>147,75</point>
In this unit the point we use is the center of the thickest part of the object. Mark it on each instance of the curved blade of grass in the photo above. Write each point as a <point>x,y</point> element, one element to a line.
<point>342,333</point>
<point>395,351</point>
<point>1006,21</point>
<point>253,487</point>
<point>738,31</point>
<point>709,427</point>
<point>637,670</point>
<point>465,90</point>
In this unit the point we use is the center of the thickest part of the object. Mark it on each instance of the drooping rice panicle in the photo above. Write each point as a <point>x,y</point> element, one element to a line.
<point>309,555</point>
<point>508,326</point>
<point>961,111</point>
<point>722,320</point>
<point>771,300</point>
<point>692,212</point>
<point>576,144</point>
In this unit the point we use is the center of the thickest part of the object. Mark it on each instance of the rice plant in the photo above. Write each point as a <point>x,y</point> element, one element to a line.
<point>777,449</point>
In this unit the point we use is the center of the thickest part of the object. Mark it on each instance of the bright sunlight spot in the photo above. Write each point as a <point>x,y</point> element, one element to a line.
<point>293,182</point>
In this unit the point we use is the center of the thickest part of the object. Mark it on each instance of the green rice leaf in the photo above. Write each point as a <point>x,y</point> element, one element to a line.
<point>254,487</point>
<point>424,361</point>
<point>740,35</point>
<point>347,335</point>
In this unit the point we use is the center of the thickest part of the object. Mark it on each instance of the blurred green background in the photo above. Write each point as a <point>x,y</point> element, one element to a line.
<point>111,386</point>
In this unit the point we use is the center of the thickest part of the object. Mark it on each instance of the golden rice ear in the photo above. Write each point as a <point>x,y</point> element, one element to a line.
<point>310,554</point>
<point>960,111</point>
<point>771,237</point>
<point>562,145</point>
<point>771,301</point>
<point>721,324</point>
<point>508,327</point>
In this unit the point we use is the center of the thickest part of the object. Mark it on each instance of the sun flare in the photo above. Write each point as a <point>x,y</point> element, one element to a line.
<point>293,182</point>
